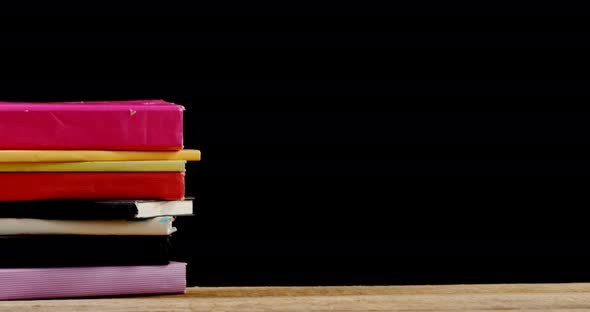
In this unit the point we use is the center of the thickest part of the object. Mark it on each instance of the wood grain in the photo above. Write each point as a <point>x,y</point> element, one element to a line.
<point>522,297</point>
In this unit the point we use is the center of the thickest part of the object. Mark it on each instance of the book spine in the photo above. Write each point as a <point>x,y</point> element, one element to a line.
<point>153,226</point>
<point>97,166</point>
<point>31,251</point>
<point>68,210</point>
<point>139,127</point>
<point>48,156</point>
<point>46,283</point>
<point>91,185</point>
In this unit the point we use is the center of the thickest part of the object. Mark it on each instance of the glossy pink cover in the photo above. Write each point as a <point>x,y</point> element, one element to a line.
<point>46,283</point>
<point>114,125</point>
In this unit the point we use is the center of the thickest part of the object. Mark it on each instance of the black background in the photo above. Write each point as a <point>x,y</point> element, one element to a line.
<point>346,145</point>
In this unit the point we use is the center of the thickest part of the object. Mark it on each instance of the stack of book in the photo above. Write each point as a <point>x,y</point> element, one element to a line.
<point>88,194</point>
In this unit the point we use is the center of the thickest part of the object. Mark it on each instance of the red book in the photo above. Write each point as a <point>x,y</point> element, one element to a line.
<point>91,185</point>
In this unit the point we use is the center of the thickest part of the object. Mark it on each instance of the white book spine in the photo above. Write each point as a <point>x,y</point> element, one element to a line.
<point>153,226</point>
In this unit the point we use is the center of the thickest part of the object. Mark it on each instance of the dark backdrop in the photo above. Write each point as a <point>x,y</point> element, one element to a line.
<point>359,149</point>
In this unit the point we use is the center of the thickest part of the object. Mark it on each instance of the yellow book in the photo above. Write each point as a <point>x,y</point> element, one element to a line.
<point>97,166</point>
<point>27,156</point>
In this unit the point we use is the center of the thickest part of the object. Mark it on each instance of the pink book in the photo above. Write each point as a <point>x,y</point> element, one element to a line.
<point>115,125</point>
<point>47,283</point>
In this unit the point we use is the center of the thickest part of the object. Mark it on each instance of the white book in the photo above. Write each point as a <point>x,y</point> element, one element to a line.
<point>152,226</point>
<point>153,208</point>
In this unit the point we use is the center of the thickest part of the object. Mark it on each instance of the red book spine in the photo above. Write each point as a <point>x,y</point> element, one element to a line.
<point>91,185</point>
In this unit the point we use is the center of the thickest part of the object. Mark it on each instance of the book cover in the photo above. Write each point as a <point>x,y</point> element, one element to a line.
<point>32,251</point>
<point>94,210</point>
<point>114,125</point>
<point>25,156</point>
<point>152,226</point>
<point>71,282</point>
<point>91,185</point>
<point>98,166</point>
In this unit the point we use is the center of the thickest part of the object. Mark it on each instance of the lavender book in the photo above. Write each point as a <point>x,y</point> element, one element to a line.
<point>47,283</point>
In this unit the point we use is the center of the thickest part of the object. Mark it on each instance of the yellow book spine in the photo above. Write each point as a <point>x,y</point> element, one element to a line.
<point>51,156</point>
<point>99,166</point>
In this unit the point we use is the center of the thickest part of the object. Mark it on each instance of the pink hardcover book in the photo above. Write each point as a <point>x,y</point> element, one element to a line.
<point>48,283</point>
<point>115,125</point>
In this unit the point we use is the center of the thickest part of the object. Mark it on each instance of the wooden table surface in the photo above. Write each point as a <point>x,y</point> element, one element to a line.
<point>522,297</point>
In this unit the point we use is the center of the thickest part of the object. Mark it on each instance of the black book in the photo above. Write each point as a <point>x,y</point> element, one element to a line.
<point>21,251</point>
<point>95,210</point>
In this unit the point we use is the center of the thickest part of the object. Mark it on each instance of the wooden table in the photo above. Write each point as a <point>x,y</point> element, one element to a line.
<point>522,297</point>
